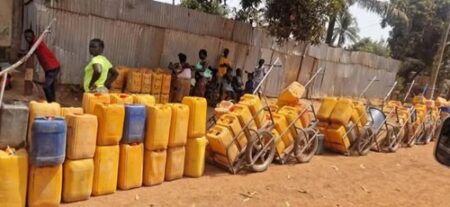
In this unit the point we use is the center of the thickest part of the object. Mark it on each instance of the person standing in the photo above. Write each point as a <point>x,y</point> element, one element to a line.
<point>49,64</point>
<point>259,73</point>
<point>202,74</point>
<point>99,73</point>
<point>238,84</point>
<point>223,66</point>
<point>182,76</point>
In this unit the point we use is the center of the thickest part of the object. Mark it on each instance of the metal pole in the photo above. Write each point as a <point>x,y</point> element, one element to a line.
<point>313,77</point>
<point>409,91</point>
<point>390,91</point>
<point>438,59</point>
<point>368,86</point>
<point>4,73</point>
<point>265,76</point>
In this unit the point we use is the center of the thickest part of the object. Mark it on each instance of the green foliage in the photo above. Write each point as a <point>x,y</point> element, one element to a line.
<point>346,29</point>
<point>208,6</point>
<point>376,47</point>
<point>420,39</point>
<point>302,20</point>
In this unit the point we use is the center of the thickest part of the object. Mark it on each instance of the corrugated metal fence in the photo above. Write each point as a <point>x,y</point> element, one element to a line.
<point>144,33</point>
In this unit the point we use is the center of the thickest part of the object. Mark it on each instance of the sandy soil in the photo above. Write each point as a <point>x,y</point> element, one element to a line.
<point>410,177</point>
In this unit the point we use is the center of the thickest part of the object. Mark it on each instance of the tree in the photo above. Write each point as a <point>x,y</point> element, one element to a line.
<point>376,47</point>
<point>346,29</point>
<point>383,8</point>
<point>302,20</point>
<point>216,7</point>
<point>420,39</point>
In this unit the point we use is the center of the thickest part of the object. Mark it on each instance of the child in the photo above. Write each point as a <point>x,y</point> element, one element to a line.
<point>249,85</point>
<point>238,84</point>
<point>227,85</point>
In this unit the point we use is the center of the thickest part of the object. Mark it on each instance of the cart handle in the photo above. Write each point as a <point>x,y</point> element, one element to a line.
<point>266,75</point>
<point>409,90</point>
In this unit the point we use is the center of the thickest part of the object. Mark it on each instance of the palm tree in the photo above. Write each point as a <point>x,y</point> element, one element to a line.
<point>346,29</point>
<point>383,8</point>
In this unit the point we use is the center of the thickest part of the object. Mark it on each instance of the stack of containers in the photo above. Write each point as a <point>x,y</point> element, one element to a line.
<point>14,164</point>
<point>156,142</point>
<point>134,81</point>
<point>194,164</point>
<point>157,79</point>
<point>177,141</point>
<point>146,87</point>
<point>78,169</point>
<point>47,154</point>
<point>165,87</point>
<point>106,159</point>
<point>131,147</point>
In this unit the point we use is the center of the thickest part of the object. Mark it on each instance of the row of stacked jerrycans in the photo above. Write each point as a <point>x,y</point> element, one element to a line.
<point>344,122</point>
<point>156,82</point>
<point>237,124</point>
<point>119,142</point>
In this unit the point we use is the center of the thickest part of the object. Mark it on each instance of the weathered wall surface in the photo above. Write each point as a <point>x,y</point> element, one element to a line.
<point>143,33</point>
<point>6,12</point>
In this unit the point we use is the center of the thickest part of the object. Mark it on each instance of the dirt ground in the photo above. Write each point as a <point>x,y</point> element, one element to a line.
<point>410,177</point>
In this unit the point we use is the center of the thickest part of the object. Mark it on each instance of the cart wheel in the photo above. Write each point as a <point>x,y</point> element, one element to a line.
<point>422,135</point>
<point>392,143</point>
<point>429,133</point>
<point>410,139</point>
<point>364,143</point>
<point>301,144</point>
<point>264,139</point>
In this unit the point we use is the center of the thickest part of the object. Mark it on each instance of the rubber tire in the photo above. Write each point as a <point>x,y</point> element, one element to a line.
<point>364,151</point>
<point>249,152</point>
<point>396,145</point>
<point>410,141</point>
<point>304,158</point>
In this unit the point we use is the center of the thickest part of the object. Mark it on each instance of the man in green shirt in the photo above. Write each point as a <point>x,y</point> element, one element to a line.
<point>99,73</point>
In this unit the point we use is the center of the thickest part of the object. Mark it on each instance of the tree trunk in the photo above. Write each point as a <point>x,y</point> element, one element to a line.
<point>330,31</point>
<point>437,61</point>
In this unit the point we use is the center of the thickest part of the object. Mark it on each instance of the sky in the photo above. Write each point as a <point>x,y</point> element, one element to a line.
<point>368,22</point>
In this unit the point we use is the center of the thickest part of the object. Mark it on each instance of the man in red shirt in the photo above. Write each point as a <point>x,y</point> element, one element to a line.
<point>48,62</point>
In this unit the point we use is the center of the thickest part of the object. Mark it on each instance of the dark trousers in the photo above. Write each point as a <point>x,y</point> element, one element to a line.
<point>49,85</point>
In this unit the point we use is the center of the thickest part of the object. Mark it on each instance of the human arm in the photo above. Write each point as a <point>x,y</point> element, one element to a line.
<point>95,75</point>
<point>112,76</point>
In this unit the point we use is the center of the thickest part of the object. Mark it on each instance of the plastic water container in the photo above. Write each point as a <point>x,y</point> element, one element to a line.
<point>14,115</point>
<point>147,76</point>
<point>292,93</point>
<point>255,105</point>
<point>165,98</point>
<point>279,147</point>
<point>326,108</point>
<point>342,112</point>
<point>179,125</point>
<point>231,122</point>
<point>71,110</point>
<point>157,97</point>
<point>119,83</point>
<point>41,109</point>
<point>45,186</point>
<point>77,180</point>
<point>419,100</point>
<point>219,138</point>
<point>165,84</point>
<point>245,117</point>
<point>106,167</point>
<point>48,145</point>
<point>158,127</point>
<point>131,164</point>
<point>281,125</point>
<point>291,115</point>
<point>81,136</point>
<point>154,167</point>
<point>110,123</point>
<point>194,163</point>
<point>134,81</point>
<point>197,116</point>
<point>336,138</point>
<point>157,83</point>
<point>134,125</point>
<point>440,102</point>
<point>175,163</point>
<point>14,175</point>
<point>121,98</point>
<point>92,99</point>
<point>147,100</point>
<point>361,109</point>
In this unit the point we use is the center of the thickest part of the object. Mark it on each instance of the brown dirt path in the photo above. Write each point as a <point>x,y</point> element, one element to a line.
<point>410,177</point>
